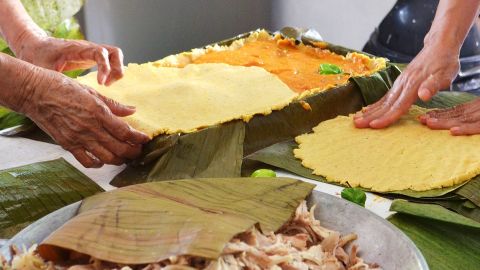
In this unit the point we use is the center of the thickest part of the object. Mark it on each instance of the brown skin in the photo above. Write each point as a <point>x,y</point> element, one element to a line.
<point>77,117</point>
<point>433,69</point>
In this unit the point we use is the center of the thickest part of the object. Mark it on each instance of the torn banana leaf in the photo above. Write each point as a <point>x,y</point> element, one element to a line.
<point>29,192</point>
<point>445,246</point>
<point>182,217</point>
<point>259,132</point>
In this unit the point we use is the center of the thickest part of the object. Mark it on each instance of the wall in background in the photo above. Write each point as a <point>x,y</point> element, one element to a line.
<point>343,22</point>
<point>148,30</point>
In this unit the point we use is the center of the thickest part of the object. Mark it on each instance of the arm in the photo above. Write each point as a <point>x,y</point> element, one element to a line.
<point>81,120</point>
<point>433,69</point>
<point>30,43</point>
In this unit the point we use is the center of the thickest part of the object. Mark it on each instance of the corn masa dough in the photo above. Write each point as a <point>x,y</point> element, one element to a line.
<point>406,155</point>
<point>172,100</point>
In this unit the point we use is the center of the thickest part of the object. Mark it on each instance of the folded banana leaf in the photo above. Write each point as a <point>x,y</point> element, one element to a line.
<point>181,217</point>
<point>29,192</point>
<point>259,132</point>
<point>445,245</point>
<point>212,152</point>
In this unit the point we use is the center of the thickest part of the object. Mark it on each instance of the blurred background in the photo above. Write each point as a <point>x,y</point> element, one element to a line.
<point>148,30</point>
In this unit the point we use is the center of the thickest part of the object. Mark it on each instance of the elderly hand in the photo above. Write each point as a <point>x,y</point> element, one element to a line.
<point>77,117</point>
<point>433,69</point>
<point>64,55</point>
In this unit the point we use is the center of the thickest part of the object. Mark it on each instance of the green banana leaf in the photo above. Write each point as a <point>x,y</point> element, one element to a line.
<point>175,218</point>
<point>29,192</point>
<point>432,211</point>
<point>219,154</point>
<point>444,245</point>
<point>56,18</point>
<point>471,191</point>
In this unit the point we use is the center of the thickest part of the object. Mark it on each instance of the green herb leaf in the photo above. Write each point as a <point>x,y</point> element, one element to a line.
<point>264,173</point>
<point>354,195</point>
<point>328,69</point>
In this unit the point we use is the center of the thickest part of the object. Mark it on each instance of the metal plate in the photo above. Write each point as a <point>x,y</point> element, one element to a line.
<point>379,241</point>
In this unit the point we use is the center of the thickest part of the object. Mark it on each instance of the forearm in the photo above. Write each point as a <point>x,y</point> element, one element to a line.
<point>18,82</point>
<point>16,25</point>
<point>452,22</point>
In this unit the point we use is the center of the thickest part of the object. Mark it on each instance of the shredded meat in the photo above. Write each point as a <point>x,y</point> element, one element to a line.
<point>301,244</point>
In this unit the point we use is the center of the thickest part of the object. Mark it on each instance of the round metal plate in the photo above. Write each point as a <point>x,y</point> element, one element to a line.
<point>379,241</point>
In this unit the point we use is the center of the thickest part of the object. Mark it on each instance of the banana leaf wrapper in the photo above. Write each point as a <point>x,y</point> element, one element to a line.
<point>29,192</point>
<point>150,222</point>
<point>447,240</point>
<point>220,159</point>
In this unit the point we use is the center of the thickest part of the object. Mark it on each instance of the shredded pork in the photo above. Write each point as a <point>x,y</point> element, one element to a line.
<point>301,244</point>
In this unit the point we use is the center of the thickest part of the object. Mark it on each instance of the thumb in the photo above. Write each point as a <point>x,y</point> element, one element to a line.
<point>428,88</point>
<point>117,108</point>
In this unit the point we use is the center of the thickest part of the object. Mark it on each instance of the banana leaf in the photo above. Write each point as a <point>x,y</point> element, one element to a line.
<point>432,211</point>
<point>259,132</point>
<point>212,152</point>
<point>445,246</point>
<point>29,192</point>
<point>471,191</point>
<point>151,222</point>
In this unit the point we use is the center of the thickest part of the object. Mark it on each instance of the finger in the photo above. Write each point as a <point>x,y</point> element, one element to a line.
<point>115,107</point>
<point>434,123</point>
<point>121,149</point>
<point>428,88</point>
<point>376,111</point>
<point>103,63</point>
<point>466,129</point>
<point>116,64</point>
<point>122,131</point>
<point>103,154</point>
<point>85,159</point>
<point>394,112</point>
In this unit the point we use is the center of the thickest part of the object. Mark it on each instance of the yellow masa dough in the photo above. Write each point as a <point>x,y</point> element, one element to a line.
<point>404,156</point>
<point>173,100</point>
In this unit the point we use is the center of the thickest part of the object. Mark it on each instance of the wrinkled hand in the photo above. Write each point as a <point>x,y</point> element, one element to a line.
<point>433,69</point>
<point>82,121</point>
<point>463,119</point>
<point>64,55</point>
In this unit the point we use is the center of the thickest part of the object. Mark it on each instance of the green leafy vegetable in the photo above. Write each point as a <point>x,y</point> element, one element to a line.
<point>354,195</point>
<point>329,69</point>
<point>264,173</point>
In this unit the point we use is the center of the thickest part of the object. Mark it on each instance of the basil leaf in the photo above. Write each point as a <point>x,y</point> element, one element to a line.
<point>354,195</point>
<point>328,69</point>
